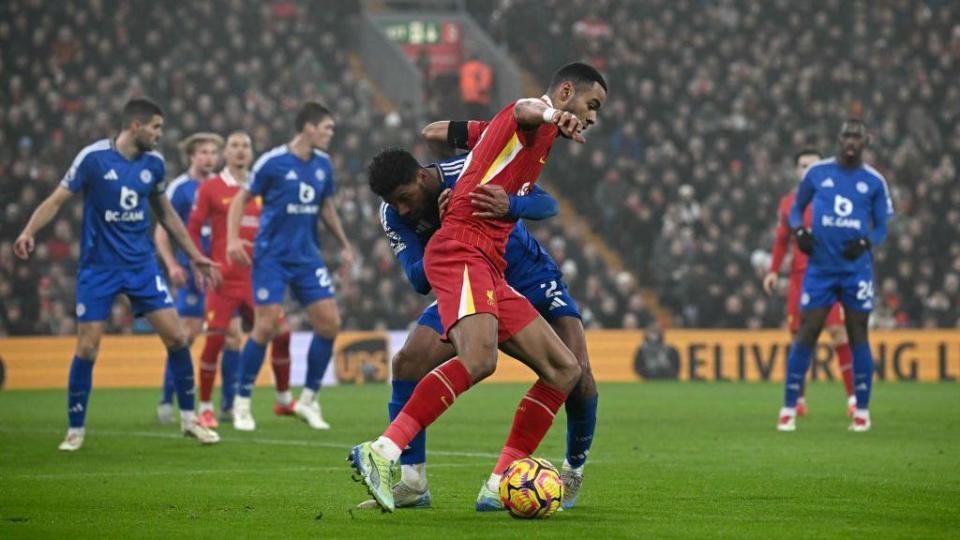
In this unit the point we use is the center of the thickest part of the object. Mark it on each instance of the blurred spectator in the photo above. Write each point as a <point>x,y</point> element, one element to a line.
<point>476,85</point>
<point>655,359</point>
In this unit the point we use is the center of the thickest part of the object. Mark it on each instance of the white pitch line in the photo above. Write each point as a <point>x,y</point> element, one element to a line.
<point>199,472</point>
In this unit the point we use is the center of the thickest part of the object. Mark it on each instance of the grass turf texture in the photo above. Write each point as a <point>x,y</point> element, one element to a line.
<point>670,460</point>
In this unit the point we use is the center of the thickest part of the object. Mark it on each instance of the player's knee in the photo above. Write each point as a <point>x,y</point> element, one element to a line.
<point>87,349</point>
<point>177,340</point>
<point>328,326</point>
<point>586,386</point>
<point>405,366</point>
<point>481,361</point>
<point>838,335</point>
<point>232,341</point>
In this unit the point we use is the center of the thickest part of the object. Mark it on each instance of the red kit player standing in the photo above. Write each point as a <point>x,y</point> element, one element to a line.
<point>834,324</point>
<point>234,296</point>
<point>465,266</point>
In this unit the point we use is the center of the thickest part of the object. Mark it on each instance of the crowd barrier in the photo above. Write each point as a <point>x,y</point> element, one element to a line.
<point>364,357</point>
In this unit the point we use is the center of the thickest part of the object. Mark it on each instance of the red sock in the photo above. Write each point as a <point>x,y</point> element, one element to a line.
<point>433,395</point>
<point>208,365</point>
<point>280,361</point>
<point>533,418</point>
<point>845,360</point>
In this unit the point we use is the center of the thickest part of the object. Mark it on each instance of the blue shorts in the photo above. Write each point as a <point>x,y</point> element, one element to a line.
<point>551,299</point>
<point>97,287</point>
<point>190,300</point>
<point>854,290</point>
<point>308,281</point>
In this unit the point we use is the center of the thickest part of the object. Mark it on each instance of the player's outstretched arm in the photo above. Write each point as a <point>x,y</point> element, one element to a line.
<point>531,113</point>
<point>169,220</point>
<point>38,220</point>
<point>328,213</point>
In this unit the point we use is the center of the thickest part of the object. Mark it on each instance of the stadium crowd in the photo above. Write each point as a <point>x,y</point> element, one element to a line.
<point>213,66</point>
<point>713,98</point>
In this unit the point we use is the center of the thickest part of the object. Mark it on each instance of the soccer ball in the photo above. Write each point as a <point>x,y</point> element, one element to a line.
<point>531,488</point>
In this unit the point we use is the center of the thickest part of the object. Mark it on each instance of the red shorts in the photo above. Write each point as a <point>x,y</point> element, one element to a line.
<point>834,318</point>
<point>224,303</point>
<point>466,282</point>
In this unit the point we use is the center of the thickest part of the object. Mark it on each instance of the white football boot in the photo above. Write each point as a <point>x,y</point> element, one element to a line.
<point>309,412</point>
<point>788,419</point>
<point>861,421</point>
<point>242,417</point>
<point>165,413</point>
<point>73,440</point>
<point>191,427</point>
<point>572,479</point>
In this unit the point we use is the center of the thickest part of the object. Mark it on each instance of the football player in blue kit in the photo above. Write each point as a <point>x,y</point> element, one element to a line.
<point>202,150</point>
<point>414,196</point>
<point>295,182</point>
<point>118,178</point>
<point>851,206</point>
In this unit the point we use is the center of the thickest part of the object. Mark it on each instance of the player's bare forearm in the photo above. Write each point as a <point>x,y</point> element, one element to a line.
<point>162,240</point>
<point>235,214</point>
<point>47,210</point>
<point>435,135</point>
<point>169,220</point>
<point>328,213</point>
<point>529,112</point>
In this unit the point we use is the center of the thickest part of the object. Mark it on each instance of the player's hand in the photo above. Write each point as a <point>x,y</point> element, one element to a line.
<point>443,201</point>
<point>237,251</point>
<point>770,282</point>
<point>178,276</point>
<point>570,126</point>
<point>209,272</point>
<point>853,249</point>
<point>804,239</point>
<point>23,247</point>
<point>346,260</point>
<point>491,201</point>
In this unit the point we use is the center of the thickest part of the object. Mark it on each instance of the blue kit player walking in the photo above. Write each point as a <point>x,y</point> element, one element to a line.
<point>118,177</point>
<point>414,197</point>
<point>851,206</point>
<point>203,152</point>
<point>295,182</point>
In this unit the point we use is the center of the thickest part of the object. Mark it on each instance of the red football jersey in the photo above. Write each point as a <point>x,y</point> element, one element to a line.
<point>212,204</point>
<point>783,235</point>
<point>505,155</point>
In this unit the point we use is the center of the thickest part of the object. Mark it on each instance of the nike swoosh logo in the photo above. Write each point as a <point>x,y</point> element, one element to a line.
<point>542,162</point>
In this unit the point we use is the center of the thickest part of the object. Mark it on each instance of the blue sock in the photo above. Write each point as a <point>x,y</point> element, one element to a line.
<point>182,367</point>
<point>78,390</point>
<point>168,386</point>
<point>581,422</point>
<point>416,451</point>
<point>862,374</point>
<point>318,356</point>
<point>250,361</point>
<point>228,377</point>
<point>797,365</point>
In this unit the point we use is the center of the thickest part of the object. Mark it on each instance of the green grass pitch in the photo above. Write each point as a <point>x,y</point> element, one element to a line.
<point>670,460</point>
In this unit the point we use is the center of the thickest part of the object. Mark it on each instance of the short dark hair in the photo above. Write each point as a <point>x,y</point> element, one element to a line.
<point>311,113</point>
<point>390,169</point>
<point>809,151</point>
<point>578,73</point>
<point>139,109</point>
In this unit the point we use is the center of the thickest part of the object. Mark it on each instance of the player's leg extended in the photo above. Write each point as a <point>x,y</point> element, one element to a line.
<point>325,320</point>
<point>208,375</point>
<point>80,382</point>
<point>280,363</point>
<point>422,352</point>
<point>175,338</point>
<point>581,408</point>
<point>857,324</point>
<point>229,364</point>
<point>251,359</point>
<point>798,363</point>
<point>836,329</point>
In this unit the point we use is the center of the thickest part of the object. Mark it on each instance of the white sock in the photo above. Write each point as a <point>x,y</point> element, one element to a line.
<point>801,399</point>
<point>852,400</point>
<point>307,396</point>
<point>206,406</point>
<point>387,448</point>
<point>187,417</point>
<point>241,403</point>
<point>785,411</point>
<point>76,431</point>
<point>567,466</point>
<point>863,413</point>
<point>493,483</point>
<point>414,476</point>
<point>285,397</point>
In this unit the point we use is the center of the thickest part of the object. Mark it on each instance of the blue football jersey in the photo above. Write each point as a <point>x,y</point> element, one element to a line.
<point>293,191</point>
<point>848,204</point>
<point>116,220</point>
<point>182,192</point>
<point>528,264</point>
